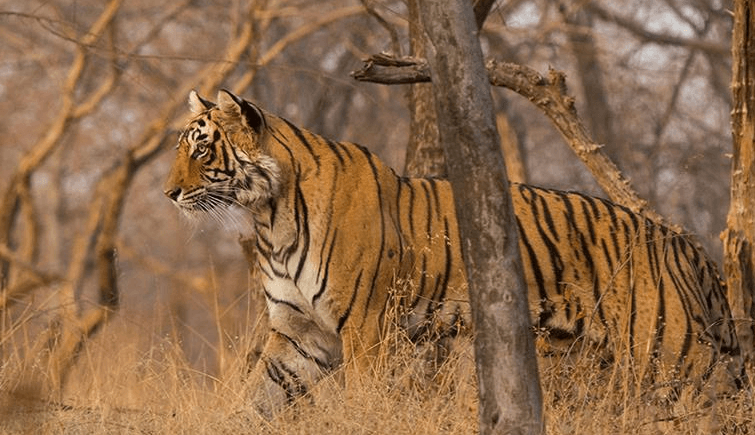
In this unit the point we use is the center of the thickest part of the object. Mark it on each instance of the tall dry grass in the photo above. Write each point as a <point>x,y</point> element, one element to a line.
<point>126,381</point>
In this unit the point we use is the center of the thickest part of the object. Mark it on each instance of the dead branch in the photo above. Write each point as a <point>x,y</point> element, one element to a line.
<point>549,95</point>
<point>387,69</point>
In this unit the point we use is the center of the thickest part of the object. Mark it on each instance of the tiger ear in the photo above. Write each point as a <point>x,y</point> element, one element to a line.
<point>234,105</point>
<point>198,104</point>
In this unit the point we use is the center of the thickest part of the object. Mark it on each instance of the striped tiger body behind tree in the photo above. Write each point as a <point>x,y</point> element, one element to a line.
<point>336,229</point>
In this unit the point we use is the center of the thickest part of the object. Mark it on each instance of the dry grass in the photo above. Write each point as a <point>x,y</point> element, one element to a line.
<point>124,383</point>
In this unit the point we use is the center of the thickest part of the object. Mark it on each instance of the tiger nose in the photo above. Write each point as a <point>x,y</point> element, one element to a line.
<point>173,193</point>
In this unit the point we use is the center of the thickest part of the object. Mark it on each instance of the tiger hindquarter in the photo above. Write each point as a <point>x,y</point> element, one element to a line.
<point>342,240</point>
<point>599,272</point>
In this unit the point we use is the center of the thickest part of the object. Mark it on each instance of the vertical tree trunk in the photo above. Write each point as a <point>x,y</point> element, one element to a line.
<point>598,112</point>
<point>424,154</point>
<point>739,257</point>
<point>510,400</point>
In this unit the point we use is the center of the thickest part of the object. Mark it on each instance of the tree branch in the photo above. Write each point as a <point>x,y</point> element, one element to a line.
<point>61,343</point>
<point>387,69</point>
<point>549,95</point>
<point>33,278</point>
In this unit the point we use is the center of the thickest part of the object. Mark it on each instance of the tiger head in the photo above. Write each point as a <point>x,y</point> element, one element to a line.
<point>222,160</point>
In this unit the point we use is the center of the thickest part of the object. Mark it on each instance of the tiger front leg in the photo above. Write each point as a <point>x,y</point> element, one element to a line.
<point>296,355</point>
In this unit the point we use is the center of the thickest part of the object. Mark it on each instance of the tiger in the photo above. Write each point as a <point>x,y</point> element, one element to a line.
<point>336,229</point>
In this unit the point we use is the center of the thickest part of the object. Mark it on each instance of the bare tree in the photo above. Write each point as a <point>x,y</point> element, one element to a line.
<point>739,255</point>
<point>509,389</point>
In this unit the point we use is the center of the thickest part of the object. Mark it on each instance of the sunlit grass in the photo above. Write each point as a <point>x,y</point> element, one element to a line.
<point>126,383</point>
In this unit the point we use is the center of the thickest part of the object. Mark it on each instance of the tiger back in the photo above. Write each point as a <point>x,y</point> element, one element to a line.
<point>337,229</point>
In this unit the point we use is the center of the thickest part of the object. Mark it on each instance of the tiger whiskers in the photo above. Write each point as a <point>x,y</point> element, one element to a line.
<point>220,209</point>
<point>228,213</point>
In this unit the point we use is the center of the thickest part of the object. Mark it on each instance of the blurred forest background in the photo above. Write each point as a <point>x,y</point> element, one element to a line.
<point>92,94</point>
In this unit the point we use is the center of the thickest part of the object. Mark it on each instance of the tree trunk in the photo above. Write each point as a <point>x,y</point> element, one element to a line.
<point>510,399</point>
<point>739,257</point>
<point>598,112</point>
<point>424,154</point>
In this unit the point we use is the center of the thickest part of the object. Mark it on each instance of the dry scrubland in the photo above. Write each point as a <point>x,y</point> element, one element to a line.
<point>133,383</point>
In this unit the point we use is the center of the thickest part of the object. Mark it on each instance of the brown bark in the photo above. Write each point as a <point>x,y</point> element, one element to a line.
<point>739,257</point>
<point>424,154</point>
<point>509,390</point>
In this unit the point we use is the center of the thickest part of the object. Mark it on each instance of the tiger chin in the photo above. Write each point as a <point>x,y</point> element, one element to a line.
<point>336,228</point>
